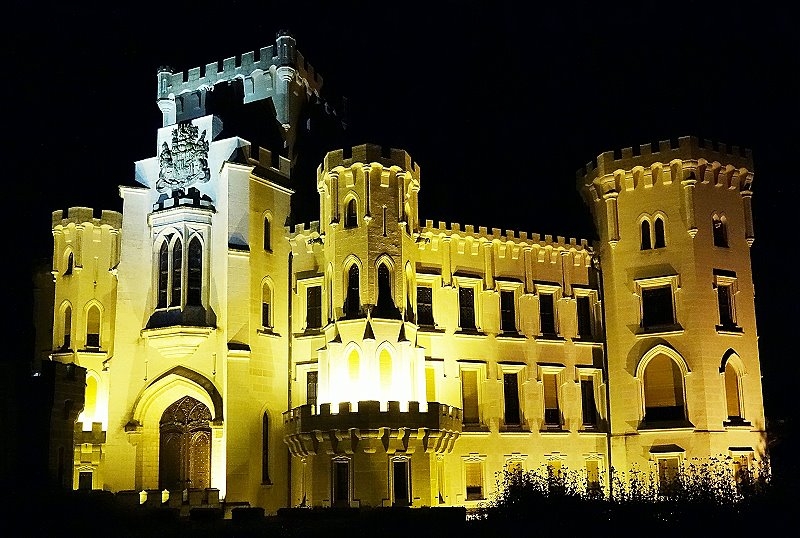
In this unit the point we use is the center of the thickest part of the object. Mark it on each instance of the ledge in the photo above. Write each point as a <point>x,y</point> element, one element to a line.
<point>177,341</point>
<point>733,330</point>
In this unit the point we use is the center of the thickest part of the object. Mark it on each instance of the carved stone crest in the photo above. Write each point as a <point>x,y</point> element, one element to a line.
<point>186,162</point>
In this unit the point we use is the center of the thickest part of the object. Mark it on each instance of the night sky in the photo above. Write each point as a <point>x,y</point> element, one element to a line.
<point>508,101</point>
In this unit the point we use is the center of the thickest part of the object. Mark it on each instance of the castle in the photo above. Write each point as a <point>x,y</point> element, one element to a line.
<point>372,358</point>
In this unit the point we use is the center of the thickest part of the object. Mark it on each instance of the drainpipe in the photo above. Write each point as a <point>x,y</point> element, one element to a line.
<point>598,268</point>
<point>289,378</point>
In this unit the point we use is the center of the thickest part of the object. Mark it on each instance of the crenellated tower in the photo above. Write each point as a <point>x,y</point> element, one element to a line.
<point>675,226</point>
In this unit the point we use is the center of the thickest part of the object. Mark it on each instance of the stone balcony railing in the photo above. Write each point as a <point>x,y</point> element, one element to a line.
<point>369,429</point>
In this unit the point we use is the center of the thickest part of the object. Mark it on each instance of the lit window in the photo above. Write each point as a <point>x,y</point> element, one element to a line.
<point>473,478</point>
<point>469,397</point>
<point>733,394</point>
<point>593,485</point>
<point>430,384</point>
<point>313,307</point>
<point>720,230</point>
<point>93,327</point>
<point>663,390</point>
<point>385,371</point>
<point>552,412</point>
<point>669,468</point>
<point>351,214</point>
<point>727,286</point>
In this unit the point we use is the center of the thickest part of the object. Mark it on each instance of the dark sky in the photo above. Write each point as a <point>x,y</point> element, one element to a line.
<point>508,100</point>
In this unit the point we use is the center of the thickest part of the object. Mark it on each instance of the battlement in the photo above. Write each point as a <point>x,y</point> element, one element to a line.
<point>497,234</point>
<point>265,160</point>
<point>684,148</point>
<point>368,153</point>
<point>303,229</point>
<point>83,215</point>
<point>282,54</point>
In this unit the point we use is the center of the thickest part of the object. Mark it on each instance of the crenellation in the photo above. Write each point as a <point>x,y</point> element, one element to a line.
<point>501,235</point>
<point>83,215</point>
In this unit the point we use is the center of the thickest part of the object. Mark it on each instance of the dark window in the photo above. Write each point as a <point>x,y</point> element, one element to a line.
<point>646,245</point>
<point>466,305</point>
<point>400,484</point>
<point>352,305</point>
<point>584,318</point>
<point>341,483</point>
<point>588,407</point>
<point>511,415</point>
<point>547,314</point>
<point>85,480</point>
<point>469,396</point>
<point>720,229</point>
<point>311,388</point>
<point>385,302</point>
<point>93,327</point>
<point>195,280</point>
<point>425,306</point>
<point>657,307</point>
<point>267,235</point>
<point>314,307</point>
<point>725,306</point>
<point>661,241</point>
<point>70,264</point>
<point>265,450</point>
<point>351,215</point>
<point>474,478</point>
<point>163,274</point>
<point>265,315</point>
<point>177,266</point>
<point>67,327</point>
<point>507,317</point>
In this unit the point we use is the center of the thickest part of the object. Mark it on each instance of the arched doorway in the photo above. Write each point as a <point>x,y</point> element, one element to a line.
<point>185,446</point>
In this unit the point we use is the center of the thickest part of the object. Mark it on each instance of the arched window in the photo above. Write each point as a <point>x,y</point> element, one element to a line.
<point>93,327</point>
<point>385,306</point>
<point>732,394</point>
<point>265,449</point>
<point>385,369</point>
<point>90,399</point>
<point>67,327</point>
<point>646,244</point>
<point>177,266</point>
<point>663,391</point>
<point>70,263</point>
<point>195,276</point>
<point>351,214</point>
<point>163,274</point>
<point>720,229</point>
<point>266,300</point>
<point>352,305</point>
<point>267,235</point>
<point>660,241</point>
<point>354,366</point>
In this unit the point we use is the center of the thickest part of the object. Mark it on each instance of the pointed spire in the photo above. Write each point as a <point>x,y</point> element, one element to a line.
<point>402,336</point>
<point>337,338</point>
<point>368,334</point>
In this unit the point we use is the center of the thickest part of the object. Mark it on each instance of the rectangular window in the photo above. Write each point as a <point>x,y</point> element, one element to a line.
<point>265,315</point>
<point>311,387</point>
<point>584,318</point>
<point>593,476</point>
<point>466,305</point>
<point>668,469</point>
<point>508,323</point>
<point>473,471</point>
<point>657,309</point>
<point>725,306</point>
<point>588,407</point>
<point>85,480</point>
<point>341,483</point>
<point>469,397</point>
<point>425,306</point>
<point>313,307</point>
<point>430,384</point>
<point>511,414</point>
<point>552,413</point>
<point>547,314</point>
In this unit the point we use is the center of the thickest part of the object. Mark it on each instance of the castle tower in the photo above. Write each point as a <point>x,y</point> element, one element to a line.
<point>85,259</point>
<point>675,227</point>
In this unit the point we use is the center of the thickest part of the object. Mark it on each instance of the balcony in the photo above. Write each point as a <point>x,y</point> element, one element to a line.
<point>369,429</point>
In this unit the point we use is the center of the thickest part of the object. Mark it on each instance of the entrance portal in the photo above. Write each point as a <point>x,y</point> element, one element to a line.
<point>185,446</point>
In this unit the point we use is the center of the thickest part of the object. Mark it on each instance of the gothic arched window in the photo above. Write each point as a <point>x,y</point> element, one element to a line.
<point>663,391</point>
<point>646,244</point>
<point>163,274</point>
<point>194,280</point>
<point>351,214</point>
<point>660,241</point>
<point>93,327</point>
<point>352,305</point>
<point>720,229</point>
<point>177,269</point>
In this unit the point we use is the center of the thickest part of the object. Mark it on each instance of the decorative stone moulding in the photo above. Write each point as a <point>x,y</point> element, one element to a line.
<point>176,342</point>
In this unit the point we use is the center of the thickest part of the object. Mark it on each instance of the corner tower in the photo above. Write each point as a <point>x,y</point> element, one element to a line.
<point>675,227</point>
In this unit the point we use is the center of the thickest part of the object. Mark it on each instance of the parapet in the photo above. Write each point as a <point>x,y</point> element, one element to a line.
<point>369,153</point>
<point>282,54</point>
<point>84,215</point>
<point>684,148</point>
<point>265,161</point>
<point>497,234</point>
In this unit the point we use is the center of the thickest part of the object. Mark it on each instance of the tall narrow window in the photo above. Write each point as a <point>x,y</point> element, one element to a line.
<point>67,327</point>
<point>732,400</point>
<point>430,384</point>
<point>401,486</point>
<point>661,240</point>
<point>547,314</point>
<point>584,308</point>
<point>163,274</point>
<point>473,475</point>
<point>177,266</point>
<point>311,387</point>
<point>70,263</point>
<point>646,244</point>
<point>351,214</point>
<point>469,397</point>
<point>385,302</point>
<point>552,413</point>
<point>508,322</point>
<point>725,302</point>
<point>385,372</point>
<point>588,407</point>
<point>720,231</point>
<point>352,305</point>
<point>313,307</point>
<point>511,412</point>
<point>265,449</point>
<point>93,327</point>
<point>266,300</point>
<point>466,306</point>
<point>663,391</point>
<point>425,306</point>
<point>195,277</point>
<point>340,481</point>
<point>593,476</point>
<point>267,235</point>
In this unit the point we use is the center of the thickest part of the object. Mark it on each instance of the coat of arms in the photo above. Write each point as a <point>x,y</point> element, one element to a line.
<point>186,162</point>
